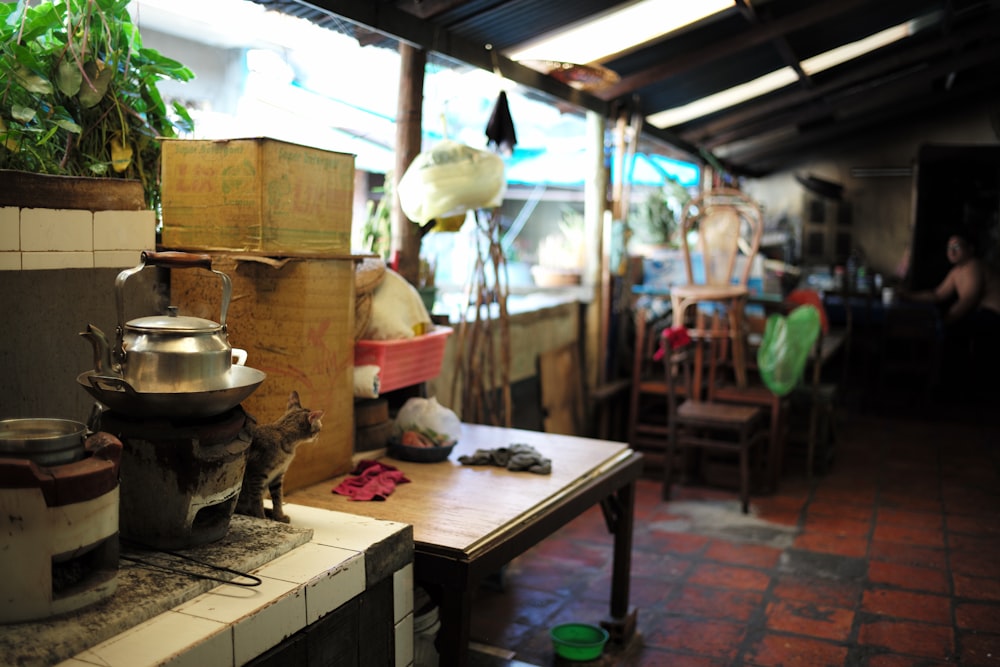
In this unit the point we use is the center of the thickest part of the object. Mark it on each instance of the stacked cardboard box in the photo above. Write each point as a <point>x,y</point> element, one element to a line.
<point>276,218</point>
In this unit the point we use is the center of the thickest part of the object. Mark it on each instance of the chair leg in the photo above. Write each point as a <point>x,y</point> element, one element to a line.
<point>668,463</point>
<point>745,475</point>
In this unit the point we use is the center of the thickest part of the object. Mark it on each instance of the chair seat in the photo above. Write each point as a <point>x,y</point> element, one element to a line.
<point>708,292</point>
<point>718,413</point>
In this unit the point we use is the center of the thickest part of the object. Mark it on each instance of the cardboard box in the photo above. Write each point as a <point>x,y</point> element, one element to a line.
<point>256,196</point>
<point>295,319</point>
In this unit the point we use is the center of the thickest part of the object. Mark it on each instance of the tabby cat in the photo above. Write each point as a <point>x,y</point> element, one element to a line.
<point>271,452</point>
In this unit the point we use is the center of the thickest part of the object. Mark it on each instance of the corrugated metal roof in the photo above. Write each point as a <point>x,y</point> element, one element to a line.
<point>951,59</point>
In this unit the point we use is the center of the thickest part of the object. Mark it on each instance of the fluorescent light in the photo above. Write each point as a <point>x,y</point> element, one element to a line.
<point>618,31</point>
<point>724,99</point>
<point>777,79</point>
<point>842,54</point>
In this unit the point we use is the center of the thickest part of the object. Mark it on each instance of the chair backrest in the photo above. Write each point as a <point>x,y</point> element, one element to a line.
<point>729,224</point>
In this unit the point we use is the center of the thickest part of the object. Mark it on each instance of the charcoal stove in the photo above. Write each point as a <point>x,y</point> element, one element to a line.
<point>58,517</point>
<point>180,478</point>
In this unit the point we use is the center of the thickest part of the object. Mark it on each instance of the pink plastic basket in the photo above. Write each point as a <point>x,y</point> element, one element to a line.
<point>404,362</point>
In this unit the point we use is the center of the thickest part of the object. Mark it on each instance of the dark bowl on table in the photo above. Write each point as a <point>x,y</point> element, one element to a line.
<point>397,450</point>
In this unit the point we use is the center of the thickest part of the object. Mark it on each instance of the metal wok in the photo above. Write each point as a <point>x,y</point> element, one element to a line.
<point>212,399</point>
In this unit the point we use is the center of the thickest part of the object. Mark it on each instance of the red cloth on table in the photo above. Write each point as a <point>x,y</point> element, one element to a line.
<point>371,480</point>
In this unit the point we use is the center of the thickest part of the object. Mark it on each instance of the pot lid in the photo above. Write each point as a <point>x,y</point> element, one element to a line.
<point>171,321</point>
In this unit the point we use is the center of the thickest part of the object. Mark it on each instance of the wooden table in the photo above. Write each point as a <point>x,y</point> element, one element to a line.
<point>469,521</point>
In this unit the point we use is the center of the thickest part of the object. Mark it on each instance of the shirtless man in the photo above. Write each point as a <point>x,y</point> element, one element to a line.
<point>968,283</point>
<point>972,353</point>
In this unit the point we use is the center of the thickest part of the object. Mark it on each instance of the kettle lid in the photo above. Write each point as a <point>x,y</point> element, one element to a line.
<point>172,322</point>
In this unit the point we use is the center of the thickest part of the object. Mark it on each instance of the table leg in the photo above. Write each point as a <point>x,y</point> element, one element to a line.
<point>455,611</point>
<point>619,513</point>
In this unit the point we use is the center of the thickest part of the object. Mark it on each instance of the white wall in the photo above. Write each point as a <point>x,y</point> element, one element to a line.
<point>882,208</point>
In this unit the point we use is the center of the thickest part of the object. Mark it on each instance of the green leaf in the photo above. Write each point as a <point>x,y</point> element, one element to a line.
<point>93,91</point>
<point>23,114</point>
<point>69,126</point>
<point>68,78</point>
<point>32,82</point>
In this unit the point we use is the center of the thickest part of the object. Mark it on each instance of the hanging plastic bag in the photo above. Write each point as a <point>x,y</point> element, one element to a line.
<point>449,180</point>
<point>785,348</point>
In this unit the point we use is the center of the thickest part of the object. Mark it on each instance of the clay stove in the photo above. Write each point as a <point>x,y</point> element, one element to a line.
<point>58,516</point>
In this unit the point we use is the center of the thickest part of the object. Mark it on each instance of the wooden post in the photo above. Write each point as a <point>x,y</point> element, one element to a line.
<point>405,233</point>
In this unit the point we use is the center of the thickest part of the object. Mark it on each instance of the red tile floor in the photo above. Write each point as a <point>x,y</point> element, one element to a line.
<point>889,558</point>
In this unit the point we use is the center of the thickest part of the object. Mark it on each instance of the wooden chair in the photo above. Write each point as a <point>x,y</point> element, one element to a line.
<point>568,406</point>
<point>707,425</point>
<point>728,225</point>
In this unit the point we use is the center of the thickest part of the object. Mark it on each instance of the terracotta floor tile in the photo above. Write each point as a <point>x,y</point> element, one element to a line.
<point>901,517</point>
<point>981,563</point>
<point>659,564</point>
<point>843,545</point>
<point>927,537</point>
<point>829,508</point>
<point>789,518</point>
<point>911,501</point>
<point>741,553</point>
<point>806,618</point>
<point>727,576</point>
<point>976,588</point>
<point>837,525</point>
<point>908,637</point>
<point>979,650</point>
<point>889,660</point>
<point>817,591</point>
<point>652,657</point>
<point>785,651</point>
<point>904,604</point>
<point>973,525</point>
<point>906,576</point>
<point>678,544</point>
<point>846,495</point>
<point>909,554</point>
<point>718,603</point>
<point>714,639</point>
<point>978,616</point>
<point>962,542</point>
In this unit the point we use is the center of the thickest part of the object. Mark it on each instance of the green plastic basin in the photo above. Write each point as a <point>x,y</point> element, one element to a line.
<point>578,641</point>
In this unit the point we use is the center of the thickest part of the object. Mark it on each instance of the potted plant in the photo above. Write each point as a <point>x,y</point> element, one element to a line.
<point>78,93</point>
<point>655,220</point>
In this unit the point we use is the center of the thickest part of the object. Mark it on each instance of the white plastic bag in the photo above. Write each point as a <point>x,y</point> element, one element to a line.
<point>429,417</point>
<point>449,180</point>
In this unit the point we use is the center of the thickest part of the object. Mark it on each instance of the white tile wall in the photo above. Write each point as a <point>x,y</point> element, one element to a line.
<point>10,261</point>
<point>124,230</point>
<point>402,592</point>
<point>10,228</point>
<point>36,261</point>
<point>404,641</point>
<point>37,238</point>
<point>62,230</point>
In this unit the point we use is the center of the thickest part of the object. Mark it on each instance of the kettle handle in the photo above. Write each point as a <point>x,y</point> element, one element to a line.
<point>173,260</point>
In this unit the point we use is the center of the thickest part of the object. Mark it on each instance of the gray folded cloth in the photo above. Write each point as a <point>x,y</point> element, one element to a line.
<point>516,457</point>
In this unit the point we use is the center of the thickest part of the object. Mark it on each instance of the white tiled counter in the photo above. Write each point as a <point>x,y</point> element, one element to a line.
<point>353,580</point>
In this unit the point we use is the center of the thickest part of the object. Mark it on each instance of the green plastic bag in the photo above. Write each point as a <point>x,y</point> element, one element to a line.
<point>785,349</point>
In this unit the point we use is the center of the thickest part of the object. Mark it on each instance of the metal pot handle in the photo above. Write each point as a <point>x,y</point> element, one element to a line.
<point>173,260</point>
